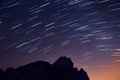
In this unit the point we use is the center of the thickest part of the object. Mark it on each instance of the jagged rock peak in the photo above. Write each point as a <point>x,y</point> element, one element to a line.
<point>63,62</point>
<point>62,69</point>
<point>83,74</point>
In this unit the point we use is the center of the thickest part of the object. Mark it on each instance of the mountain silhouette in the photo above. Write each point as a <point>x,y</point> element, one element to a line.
<point>62,69</point>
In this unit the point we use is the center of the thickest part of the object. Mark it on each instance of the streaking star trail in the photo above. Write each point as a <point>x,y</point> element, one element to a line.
<point>87,31</point>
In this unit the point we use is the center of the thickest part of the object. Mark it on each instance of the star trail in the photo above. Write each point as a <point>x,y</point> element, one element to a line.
<point>87,31</point>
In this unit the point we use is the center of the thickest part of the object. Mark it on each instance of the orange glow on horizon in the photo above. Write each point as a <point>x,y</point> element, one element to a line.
<point>111,72</point>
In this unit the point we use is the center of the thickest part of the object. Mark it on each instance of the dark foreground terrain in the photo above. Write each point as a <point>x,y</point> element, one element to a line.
<point>62,69</point>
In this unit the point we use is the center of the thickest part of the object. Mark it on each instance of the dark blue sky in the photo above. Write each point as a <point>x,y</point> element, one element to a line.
<point>87,31</point>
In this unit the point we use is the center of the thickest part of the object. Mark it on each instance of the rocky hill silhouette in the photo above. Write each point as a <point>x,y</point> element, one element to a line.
<point>62,69</point>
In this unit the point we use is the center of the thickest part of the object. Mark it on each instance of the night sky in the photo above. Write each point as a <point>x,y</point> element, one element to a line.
<point>87,31</point>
